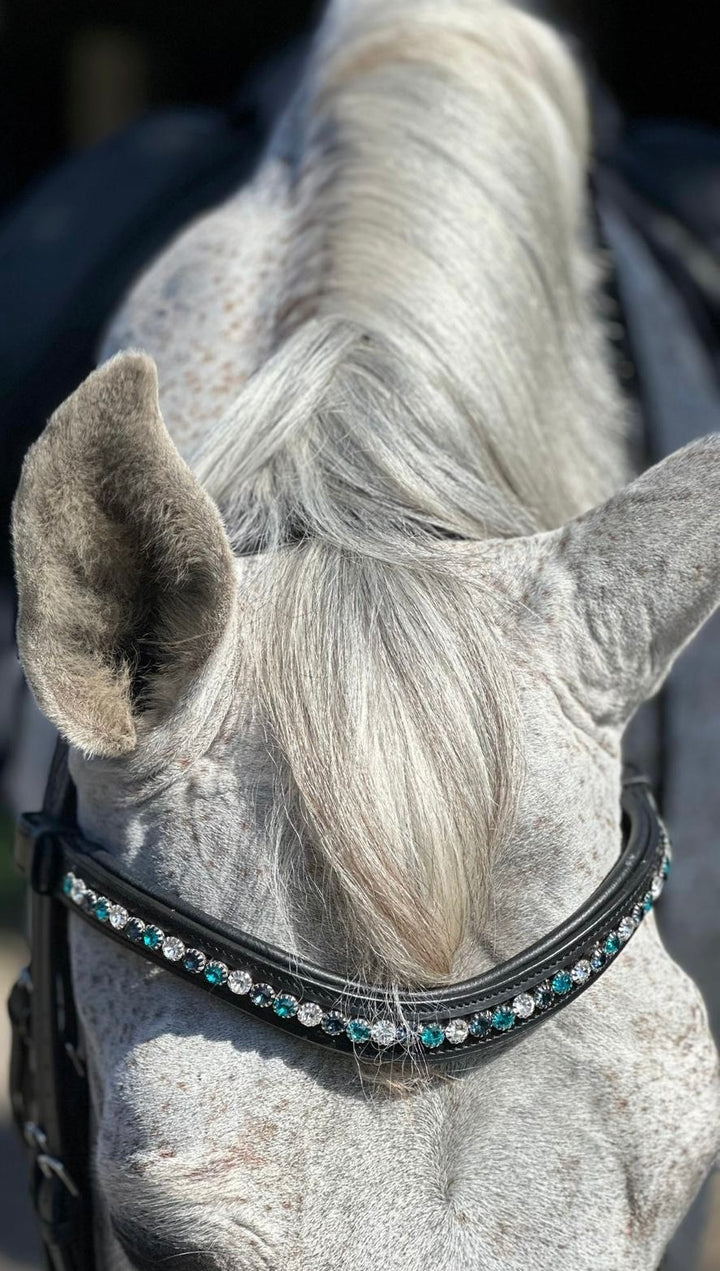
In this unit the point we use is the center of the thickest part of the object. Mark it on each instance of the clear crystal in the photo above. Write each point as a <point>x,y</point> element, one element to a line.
<point>626,926</point>
<point>457,1030</point>
<point>77,892</point>
<point>384,1032</point>
<point>239,982</point>
<point>118,917</point>
<point>523,1005</point>
<point>581,972</point>
<point>310,1014</point>
<point>656,886</point>
<point>173,949</point>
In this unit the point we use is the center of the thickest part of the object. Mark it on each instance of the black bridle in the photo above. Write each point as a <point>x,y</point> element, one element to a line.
<point>69,874</point>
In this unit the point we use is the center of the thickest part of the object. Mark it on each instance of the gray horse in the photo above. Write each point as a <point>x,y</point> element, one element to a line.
<point>345,658</point>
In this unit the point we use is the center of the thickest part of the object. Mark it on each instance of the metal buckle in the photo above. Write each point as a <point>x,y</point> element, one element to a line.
<point>50,1166</point>
<point>34,1136</point>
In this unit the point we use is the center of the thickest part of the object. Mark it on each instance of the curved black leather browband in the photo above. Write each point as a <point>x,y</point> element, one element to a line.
<point>317,1005</point>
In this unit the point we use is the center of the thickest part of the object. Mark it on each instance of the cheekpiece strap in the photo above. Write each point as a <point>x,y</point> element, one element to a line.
<point>48,1081</point>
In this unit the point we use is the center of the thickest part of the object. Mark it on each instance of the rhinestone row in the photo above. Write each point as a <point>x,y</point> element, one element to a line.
<point>382,1032</point>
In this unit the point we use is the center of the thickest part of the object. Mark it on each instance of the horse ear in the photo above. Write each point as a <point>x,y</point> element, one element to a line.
<point>125,574</point>
<point>628,584</point>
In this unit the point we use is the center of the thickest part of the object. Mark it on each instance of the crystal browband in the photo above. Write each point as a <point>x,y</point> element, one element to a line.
<point>343,1015</point>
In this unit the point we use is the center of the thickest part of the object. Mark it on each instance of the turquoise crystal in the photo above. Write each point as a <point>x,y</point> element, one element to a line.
<point>432,1035</point>
<point>562,982</point>
<point>153,937</point>
<point>612,944</point>
<point>216,973</point>
<point>67,884</point>
<point>102,909</point>
<point>285,1005</point>
<point>358,1030</point>
<point>503,1018</point>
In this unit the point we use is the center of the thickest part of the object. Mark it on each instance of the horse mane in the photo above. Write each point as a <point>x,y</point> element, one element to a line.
<point>438,373</point>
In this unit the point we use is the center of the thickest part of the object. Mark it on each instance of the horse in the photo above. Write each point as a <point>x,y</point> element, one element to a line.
<point>344,642</point>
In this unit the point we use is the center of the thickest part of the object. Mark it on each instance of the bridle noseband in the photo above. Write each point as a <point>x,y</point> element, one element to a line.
<point>69,874</point>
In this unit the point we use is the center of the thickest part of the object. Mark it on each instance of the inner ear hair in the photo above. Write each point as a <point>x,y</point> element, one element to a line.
<point>125,574</point>
<point>636,577</point>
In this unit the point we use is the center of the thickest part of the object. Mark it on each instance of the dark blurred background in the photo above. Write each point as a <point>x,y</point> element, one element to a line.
<point>71,73</point>
<point>118,123</point>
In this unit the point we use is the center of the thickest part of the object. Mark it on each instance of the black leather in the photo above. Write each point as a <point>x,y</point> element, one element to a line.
<point>48,848</point>
<point>49,1090</point>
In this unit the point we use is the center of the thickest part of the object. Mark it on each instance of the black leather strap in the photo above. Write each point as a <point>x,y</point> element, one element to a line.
<point>49,1089</point>
<point>49,849</point>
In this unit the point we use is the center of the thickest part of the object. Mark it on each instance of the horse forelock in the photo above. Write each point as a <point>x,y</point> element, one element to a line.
<point>422,388</point>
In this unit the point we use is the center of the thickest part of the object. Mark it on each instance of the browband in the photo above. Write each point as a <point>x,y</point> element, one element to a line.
<point>314,1004</point>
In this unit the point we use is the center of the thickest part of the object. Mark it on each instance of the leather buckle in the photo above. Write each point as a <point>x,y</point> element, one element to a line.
<point>36,856</point>
<point>20,1012</point>
<point>19,1003</point>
